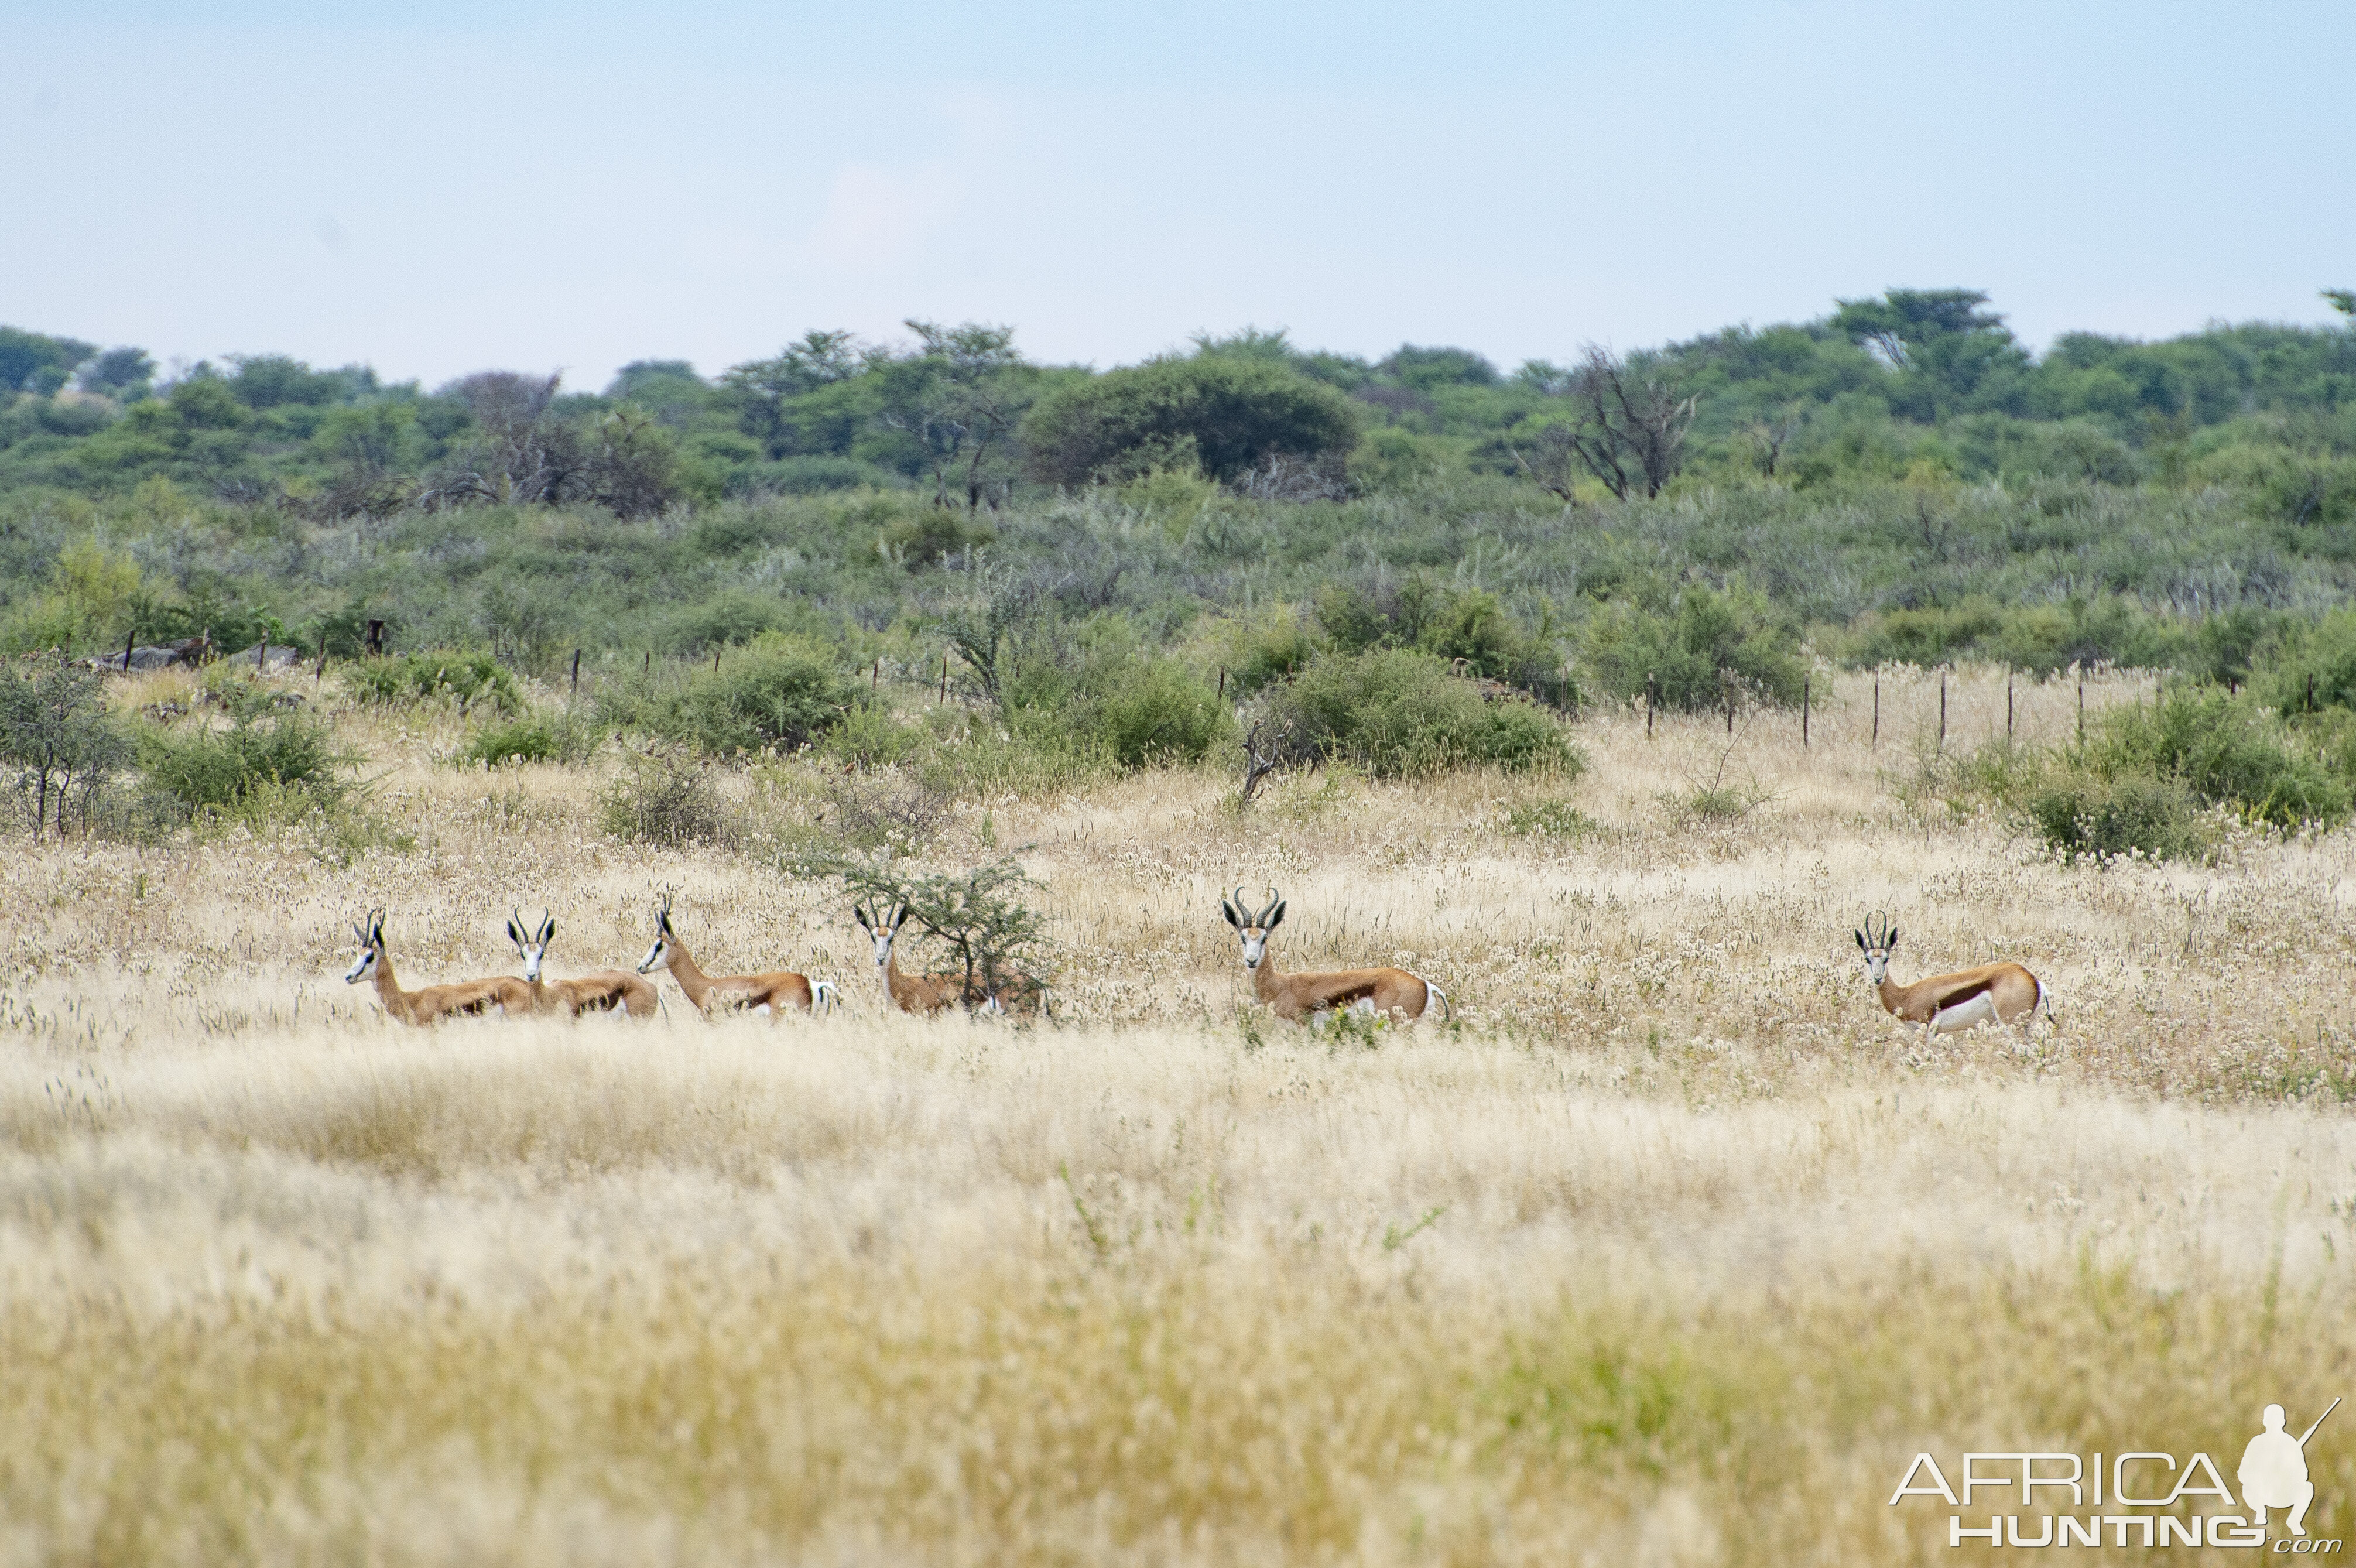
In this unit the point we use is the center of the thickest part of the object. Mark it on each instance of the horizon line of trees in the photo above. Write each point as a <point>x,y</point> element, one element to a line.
<point>1911,383</point>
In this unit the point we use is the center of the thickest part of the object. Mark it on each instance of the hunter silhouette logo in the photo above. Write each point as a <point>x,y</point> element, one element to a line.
<point>2143,1498</point>
<point>2273,1471</point>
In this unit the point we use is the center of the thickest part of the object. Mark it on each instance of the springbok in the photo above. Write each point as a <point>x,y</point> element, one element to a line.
<point>603,991</point>
<point>1393,993</point>
<point>928,993</point>
<point>771,993</point>
<point>1943,1004</point>
<point>465,999</point>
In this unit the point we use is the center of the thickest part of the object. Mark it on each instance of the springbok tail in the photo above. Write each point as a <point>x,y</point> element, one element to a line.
<point>822,995</point>
<point>1433,994</point>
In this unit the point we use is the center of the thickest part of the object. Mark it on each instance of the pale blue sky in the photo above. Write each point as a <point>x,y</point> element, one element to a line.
<point>439,188</point>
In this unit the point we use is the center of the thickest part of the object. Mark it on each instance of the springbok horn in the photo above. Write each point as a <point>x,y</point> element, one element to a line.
<point>1274,898</point>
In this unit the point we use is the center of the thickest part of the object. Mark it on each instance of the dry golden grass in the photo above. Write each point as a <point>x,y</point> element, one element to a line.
<point>1675,1250</point>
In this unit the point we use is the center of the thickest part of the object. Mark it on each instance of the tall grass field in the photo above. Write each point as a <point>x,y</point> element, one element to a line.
<point>1671,1247</point>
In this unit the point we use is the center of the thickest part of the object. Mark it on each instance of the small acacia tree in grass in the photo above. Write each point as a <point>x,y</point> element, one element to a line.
<point>995,939</point>
<point>54,728</point>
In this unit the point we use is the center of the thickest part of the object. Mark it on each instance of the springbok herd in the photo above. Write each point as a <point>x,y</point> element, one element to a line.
<point>2001,993</point>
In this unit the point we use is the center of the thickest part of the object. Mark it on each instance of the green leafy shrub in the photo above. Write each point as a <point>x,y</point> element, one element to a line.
<point>2317,664</point>
<point>2157,779</point>
<point>2228,752</point>
<point>1691,645</point>
<point>1551,819</point>
<point>56,731</point>
<point>1149,710</point>
<point>2085,814</point>
<point>1217,414</point>
<point>778,691</point>
<point>468,680</point>
<point>211,769</point>
<point>535,737</point>
<point>1399,712</point>
<point>1279,645</point>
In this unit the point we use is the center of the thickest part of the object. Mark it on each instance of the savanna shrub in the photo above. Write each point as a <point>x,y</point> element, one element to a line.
<point>776,691</point>
<point>468,680</point>
<point>1151,710</point>
<point>2319,658</point>
<point>663,798</point>
<point>1218,414</point>
<point>535,737</point>
<point>1686,646</point>
<point>2227,752</point>
<point>1398,711</point>
<point>2083,813</point>
<point>204,768</point>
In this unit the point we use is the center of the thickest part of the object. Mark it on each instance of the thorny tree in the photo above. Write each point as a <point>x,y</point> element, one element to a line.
<point>969,387</point>
<point>55,729</point>
<point>1627,429</point>
<point>994,939</point>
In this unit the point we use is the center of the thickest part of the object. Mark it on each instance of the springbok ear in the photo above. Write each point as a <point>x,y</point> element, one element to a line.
<point>900,916</point>
<point>1276,916</point>
<point>548,928</point>
<point>1891,939</point>
<point>1229,911</point>
<point>515,933</point>
<point>859,913</point>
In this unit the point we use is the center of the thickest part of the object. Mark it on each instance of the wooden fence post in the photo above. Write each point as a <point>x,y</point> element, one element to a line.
<point>1943,711</point>
<point>1804,686</point>
<point>2081,703</point>
<point>1876,707</point>
<point>1652,699</point>
<point>2007,708</point>
<point>576,671</point>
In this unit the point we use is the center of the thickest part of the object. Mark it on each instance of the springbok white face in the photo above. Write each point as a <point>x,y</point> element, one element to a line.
<point>1252,929</point>
<point>881,932</point>
<point>533,945</point>
<point>1875,945</point>
<point>659,955</point>
<point>370,935</point>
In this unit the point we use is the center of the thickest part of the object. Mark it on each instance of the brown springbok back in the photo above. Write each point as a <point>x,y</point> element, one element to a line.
<point>607,991</point>
<point>1945,1004</point>
<point>1395,994</point>
<point>462,999</point>
<point>771,994</point>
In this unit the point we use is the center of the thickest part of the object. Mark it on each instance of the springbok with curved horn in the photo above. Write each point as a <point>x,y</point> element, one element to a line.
<point>771,994</point>
<point>1945,1004</point>
<point>431,1004</point>
<point>604,992</point>
<point>1394,992</point>
<point>928,993</point>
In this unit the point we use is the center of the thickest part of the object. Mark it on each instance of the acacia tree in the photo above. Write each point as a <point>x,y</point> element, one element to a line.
<point>1627,428</point>
<point>762,392</point>
<point>994,939</point>
<point>961,395</point>
<point>54,728</point>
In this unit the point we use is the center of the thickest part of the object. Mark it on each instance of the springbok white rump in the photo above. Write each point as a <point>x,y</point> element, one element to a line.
<point>1393,993</point>
<point>604,992</point>
<point>712,993</point>
<point>461,999</point>
<point>1943,1004</point>
<point>928,993</point>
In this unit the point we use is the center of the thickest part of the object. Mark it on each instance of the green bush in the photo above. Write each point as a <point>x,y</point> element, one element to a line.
<point>2227,752</point>
<point>469,679</point>
<point>1399,712</point>
<point>1688,645</point>
<point>2157,778</point>
<point>1276,647</point>
<point>776,691</point>
<point>2036,638</point>
<point>1217,414</point>
<point>535,737</point>
<point>209,769</point>
<point>2083,813</point>
<point>2317,663</point>
<point>1152,710</point>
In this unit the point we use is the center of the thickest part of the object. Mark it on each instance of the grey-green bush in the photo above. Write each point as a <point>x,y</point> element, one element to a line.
<point>1398,711</point>
<point>1690,646</point>
<point>778,691</point>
